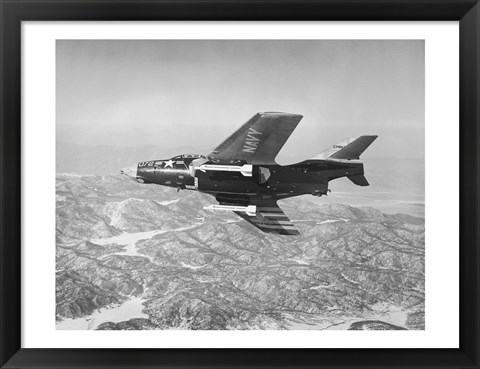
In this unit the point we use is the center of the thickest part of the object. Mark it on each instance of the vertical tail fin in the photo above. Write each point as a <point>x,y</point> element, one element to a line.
<point>349,149</point>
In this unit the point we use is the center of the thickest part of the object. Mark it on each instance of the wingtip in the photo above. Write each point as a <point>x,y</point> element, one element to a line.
<point>280,113</point>
<point>371,137</point>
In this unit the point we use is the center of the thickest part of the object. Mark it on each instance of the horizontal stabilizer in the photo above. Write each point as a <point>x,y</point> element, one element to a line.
<point>349,149</point>
<point>359,180</point>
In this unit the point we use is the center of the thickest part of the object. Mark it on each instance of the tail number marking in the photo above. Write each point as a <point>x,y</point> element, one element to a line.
<point>146,164</point>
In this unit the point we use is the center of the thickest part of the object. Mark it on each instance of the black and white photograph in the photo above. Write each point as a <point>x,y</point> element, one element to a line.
<point>240,184</point>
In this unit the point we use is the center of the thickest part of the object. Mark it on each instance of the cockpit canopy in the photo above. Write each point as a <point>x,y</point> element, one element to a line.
<point>179,161</point>
<point>188,156</point>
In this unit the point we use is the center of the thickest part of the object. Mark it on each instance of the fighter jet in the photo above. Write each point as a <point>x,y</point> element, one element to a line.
<point>243,176</point>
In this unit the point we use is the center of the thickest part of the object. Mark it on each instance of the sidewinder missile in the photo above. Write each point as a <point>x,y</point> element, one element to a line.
<point>250,210</point>
<point>246,169</point>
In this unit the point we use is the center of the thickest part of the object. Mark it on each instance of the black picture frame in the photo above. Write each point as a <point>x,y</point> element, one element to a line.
<point>13,12</point>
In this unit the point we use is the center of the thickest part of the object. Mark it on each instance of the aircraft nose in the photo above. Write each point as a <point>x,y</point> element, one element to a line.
<point>130,171</point>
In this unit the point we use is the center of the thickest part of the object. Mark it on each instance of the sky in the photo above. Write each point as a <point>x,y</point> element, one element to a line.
<point>173,93</point>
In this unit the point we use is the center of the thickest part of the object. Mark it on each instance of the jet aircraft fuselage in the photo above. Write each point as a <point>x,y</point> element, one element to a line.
<point>243,176</point>
<point>307,177</point>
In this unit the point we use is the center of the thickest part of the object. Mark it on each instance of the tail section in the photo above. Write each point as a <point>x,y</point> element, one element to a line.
<point>349,149</point>
<point>359,180</point>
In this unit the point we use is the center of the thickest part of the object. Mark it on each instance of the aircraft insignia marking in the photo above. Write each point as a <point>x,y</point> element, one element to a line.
<point>251,142</point>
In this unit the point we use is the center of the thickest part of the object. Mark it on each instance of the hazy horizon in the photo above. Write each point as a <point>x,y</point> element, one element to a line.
<point>203,151</point>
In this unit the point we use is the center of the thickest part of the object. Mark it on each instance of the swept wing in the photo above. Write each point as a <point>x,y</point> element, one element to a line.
<point>258,141</point>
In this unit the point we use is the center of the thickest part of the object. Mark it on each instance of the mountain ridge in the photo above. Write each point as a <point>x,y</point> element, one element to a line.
<point>190,268</point>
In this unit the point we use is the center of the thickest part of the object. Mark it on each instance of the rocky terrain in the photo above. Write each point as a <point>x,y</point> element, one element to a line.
<point>132,256</point>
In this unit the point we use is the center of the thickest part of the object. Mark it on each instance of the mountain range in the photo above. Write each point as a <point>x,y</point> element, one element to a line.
<point>132,256</point>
